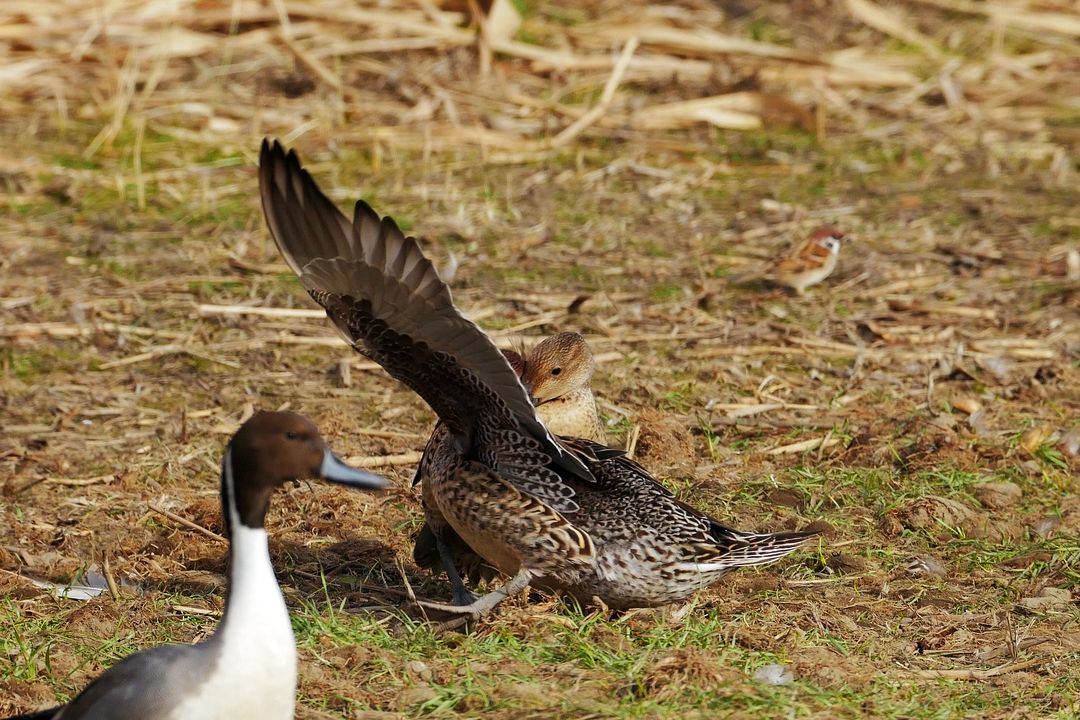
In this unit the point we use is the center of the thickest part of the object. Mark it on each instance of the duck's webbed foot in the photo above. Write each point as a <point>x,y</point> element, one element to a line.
<point>480,606</point>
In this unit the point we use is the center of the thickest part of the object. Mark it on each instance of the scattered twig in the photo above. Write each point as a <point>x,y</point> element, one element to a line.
<point>738,410</point>
<point>538,321</point>
<point>311,62</point>
<point>374,432</point>
<point>375,461</point>
<point>190,610</point>
<point>825,443</point>
<point>188,524</point>
<point>1010,648</point>
<point>581,124</point>
<point>823,581</point>
<point>320,341</point>
<point>165,350</point>
<point>632,440</point>
<point>110,581</point>
<point>803,446</point>
<point>345,372</point>
<point>81,482</point>
<point>210,310</point>
<point>941,308</point>
<point>887,22</point>
<point>975,673</point>
<point>66,330</point>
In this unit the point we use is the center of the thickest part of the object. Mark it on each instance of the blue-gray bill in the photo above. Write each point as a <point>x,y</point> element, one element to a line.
<point>335,470</point>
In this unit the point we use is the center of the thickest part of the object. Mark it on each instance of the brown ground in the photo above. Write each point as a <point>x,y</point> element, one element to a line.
<point>922,407</point>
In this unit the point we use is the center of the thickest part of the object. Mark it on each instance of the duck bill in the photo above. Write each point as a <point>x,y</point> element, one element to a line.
<point>334,470</point>
<point>527,384</point>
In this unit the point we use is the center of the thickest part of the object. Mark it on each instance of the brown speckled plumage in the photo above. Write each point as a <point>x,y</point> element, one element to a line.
<point>809,262</point>
<point>557,373</point>
<point>561,512</point>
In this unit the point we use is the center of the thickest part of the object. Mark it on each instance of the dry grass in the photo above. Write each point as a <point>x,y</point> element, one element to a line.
<point>606,167</point>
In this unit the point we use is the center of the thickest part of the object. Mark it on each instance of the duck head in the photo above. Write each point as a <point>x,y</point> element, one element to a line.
<point>558,366</point>
<point>273,448</point>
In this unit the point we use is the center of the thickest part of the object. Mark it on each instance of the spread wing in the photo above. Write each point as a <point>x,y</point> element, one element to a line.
<point>385,297</point>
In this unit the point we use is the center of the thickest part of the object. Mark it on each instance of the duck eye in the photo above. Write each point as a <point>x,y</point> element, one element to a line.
<point>292,435</point>
<point>555,372</point>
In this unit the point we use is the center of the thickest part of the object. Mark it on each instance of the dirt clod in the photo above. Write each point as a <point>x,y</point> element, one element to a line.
<point>411,697</point>
<point>1027,560</point>
<point>829,669</point>
<point>787,497</point>
<point>933,513</point>
<point>530,694</point>
<point>846,563</point>
<point>821,527</point>
<point>674,672</point>
<point>942,516</point>
<point>1049,598</point>
<point>664,443</point>
<point>997,495</point>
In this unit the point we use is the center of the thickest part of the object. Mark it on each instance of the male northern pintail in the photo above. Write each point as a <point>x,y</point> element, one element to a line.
<point>247,669</point>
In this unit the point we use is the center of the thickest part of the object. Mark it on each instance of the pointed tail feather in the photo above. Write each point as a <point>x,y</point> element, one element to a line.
<point>753,549</point>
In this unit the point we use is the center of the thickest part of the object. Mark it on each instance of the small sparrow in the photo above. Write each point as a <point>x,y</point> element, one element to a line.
<point>806,264</point>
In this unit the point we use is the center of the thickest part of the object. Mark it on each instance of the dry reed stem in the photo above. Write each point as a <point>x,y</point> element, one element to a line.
<point>579,126</point>
<point>81,482</point>
<point>127,63</point>
<point>209,310</point>
<point>804,445</point>
<point>977,674</point>
<point>377,461</point>
<point>889,23</point>
<point>189,524</point>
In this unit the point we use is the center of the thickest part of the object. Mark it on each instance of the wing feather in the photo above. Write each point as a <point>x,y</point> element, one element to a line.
<point>385,296</point>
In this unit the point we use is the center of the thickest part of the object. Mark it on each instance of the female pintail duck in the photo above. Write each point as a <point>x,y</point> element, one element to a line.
<point>557,373</point>
<point>247,669</point>
<point>558,513</point>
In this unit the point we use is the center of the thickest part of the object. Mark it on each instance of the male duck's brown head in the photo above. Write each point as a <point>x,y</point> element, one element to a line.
<point>271,449</point>
<point>558,366</point>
